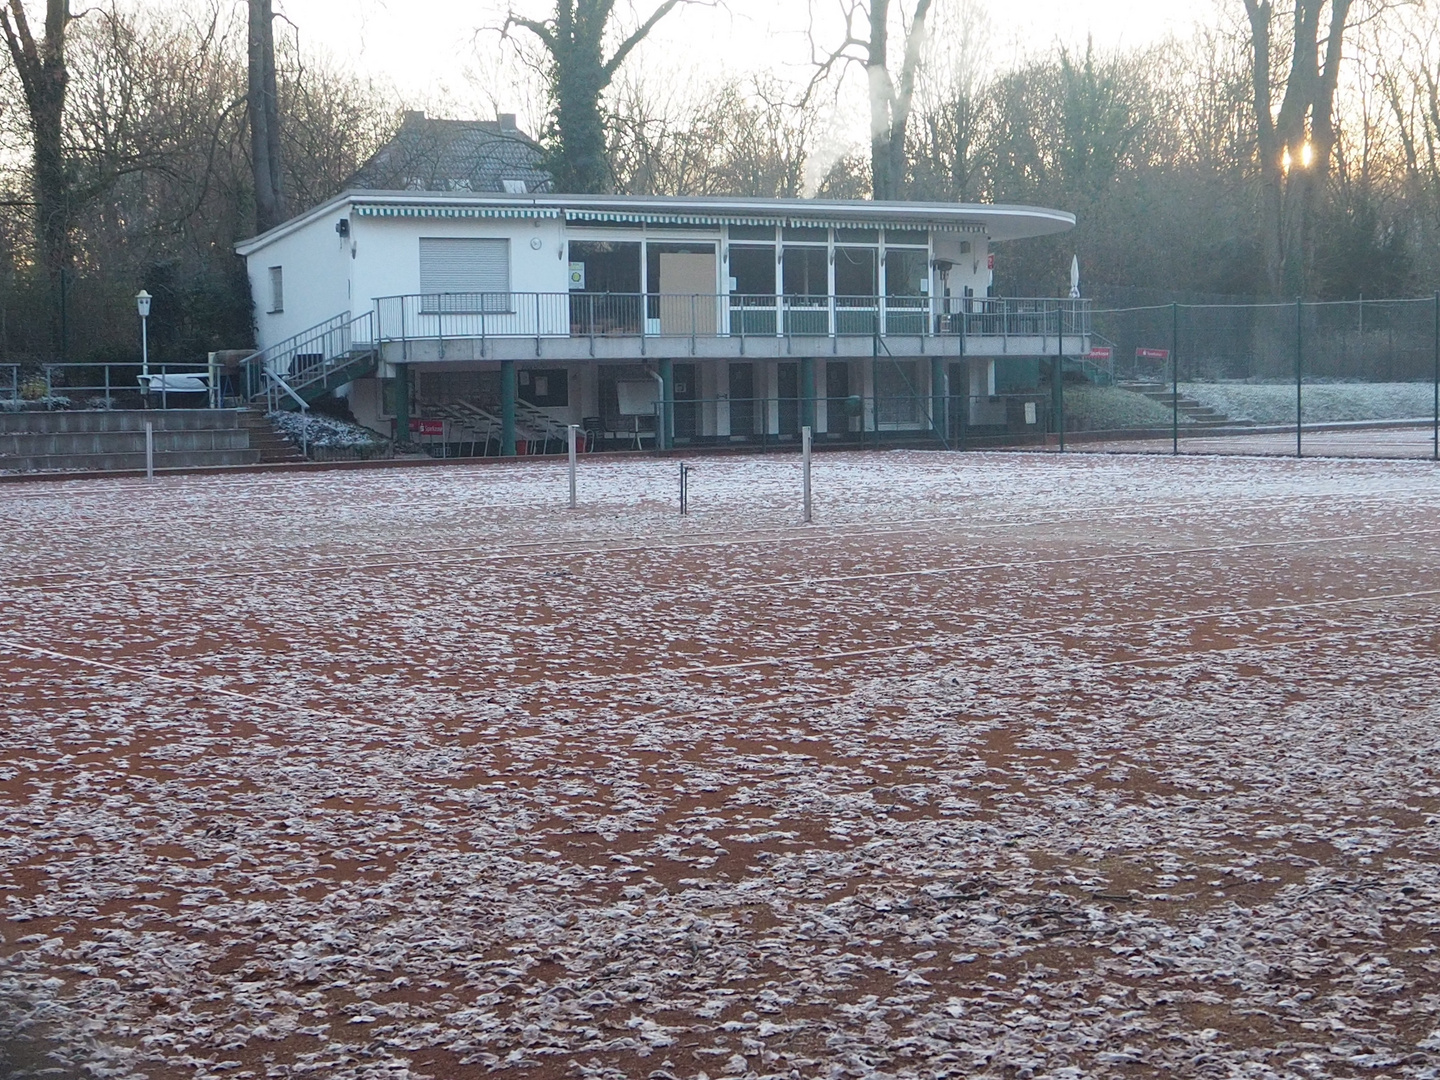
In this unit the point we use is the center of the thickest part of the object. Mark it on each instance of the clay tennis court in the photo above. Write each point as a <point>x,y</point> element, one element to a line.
<point>1010,765</point>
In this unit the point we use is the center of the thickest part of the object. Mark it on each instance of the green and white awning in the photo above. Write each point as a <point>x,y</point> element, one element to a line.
<point>404,210</point>
<point>638,217</point>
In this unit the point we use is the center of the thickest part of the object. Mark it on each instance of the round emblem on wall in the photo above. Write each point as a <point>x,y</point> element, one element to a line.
<point>535,243</point>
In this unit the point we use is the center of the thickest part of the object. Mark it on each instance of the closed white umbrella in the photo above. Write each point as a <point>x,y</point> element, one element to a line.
<point>1075,276</point>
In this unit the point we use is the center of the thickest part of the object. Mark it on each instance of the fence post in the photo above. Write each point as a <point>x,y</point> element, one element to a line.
<point>149,450</point>
<point>1175,379</point>
<point>1435,453</point>
<point>1299,372</point>
<point>1059,378</point>
<point>573,429</point>
<point>805,438</point>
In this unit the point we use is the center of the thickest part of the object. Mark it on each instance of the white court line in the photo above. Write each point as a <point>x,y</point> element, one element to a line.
<point>1012,564</point>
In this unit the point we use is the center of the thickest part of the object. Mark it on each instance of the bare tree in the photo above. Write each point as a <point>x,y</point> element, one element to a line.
<point>1295,140</point>
<point>574,41</point>
<point>264,111</point>
<point>44,78</point>
<point>867,43</point>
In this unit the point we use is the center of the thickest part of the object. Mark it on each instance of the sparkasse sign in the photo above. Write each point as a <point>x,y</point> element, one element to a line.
<point>1152,354</point>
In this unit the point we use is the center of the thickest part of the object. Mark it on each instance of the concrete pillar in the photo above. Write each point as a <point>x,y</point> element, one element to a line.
<point>939,394</point>
<point>402,403</point>
<point>807,392</point>
<point>507,408</point>
<point>665,437</point>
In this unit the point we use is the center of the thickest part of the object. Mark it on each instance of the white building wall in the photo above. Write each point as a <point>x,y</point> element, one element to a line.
<point>387,260</point>
<point>315,265</point>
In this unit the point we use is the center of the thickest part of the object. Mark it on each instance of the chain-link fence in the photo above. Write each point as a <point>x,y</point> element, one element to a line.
<point>1355,378</point>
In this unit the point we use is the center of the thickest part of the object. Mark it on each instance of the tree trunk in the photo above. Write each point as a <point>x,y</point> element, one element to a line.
<point>262,101</point>
<point>579,74</point>
<point>1296,143</point>
<point>890,105</point>
<point>44,78</point>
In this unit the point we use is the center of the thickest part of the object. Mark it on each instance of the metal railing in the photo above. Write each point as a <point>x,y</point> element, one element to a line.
<point>310,356</point>
<point>441,316</point>
<point>108,385</point>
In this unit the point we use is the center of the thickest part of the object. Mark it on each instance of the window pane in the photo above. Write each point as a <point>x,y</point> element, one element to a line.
<point>858,236</point>
<point>855,272</point>
<point>807,233</point>
<point>806,273</point>
<point>905,272</point>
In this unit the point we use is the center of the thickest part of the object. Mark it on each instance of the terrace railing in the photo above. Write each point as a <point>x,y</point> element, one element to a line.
<point>440,316</point>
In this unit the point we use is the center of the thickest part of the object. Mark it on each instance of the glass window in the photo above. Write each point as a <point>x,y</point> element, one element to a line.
<point>277,290</point>
<point>906,272</point>
<point>806,272</point>
<point>907,238</point>
<point>806,234</point>
<point>855,271</point>
<point>611,266</point>
<point>857,236</point>
<point>752,232</point>
<point>753,268</point>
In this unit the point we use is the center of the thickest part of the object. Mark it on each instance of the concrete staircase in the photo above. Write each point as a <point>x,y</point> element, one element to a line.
<point>115,440</point>
<point>1194,413</point>
<point>274,448</point>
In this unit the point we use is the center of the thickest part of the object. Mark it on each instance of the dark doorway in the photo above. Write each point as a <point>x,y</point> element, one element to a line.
<point>687,402</point>
<point>958,404</point>
<point>742,399</point>
<point>837,397</point>
<point>789,392</point>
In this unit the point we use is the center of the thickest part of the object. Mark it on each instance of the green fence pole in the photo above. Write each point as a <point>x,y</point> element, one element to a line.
<point>507,408</point>
<point>1299,371</point>
<point>1175,378</point>
<point>1059,377</point>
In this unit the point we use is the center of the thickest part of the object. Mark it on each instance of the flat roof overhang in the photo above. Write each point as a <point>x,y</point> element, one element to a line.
<point>997,222</point>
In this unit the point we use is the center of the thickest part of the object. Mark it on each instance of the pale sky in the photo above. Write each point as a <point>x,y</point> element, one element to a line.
<point>425,47</point>
<point>445,55</point>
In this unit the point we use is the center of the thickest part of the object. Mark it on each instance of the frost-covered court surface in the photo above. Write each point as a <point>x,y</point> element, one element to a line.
<point>1416,441</point>
<point>1009,766</point>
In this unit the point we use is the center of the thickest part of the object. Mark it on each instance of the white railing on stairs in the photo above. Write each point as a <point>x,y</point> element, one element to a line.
<point>312,355</point>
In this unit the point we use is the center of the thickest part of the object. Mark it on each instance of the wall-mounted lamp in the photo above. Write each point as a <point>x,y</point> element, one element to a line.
<point>342,227</point>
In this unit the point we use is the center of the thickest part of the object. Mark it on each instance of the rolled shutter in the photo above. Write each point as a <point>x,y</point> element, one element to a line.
<point>471,274</point>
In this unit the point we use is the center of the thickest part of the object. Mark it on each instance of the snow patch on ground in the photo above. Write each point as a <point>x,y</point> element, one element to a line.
<point>1274,403</point>
<point>324,431</point>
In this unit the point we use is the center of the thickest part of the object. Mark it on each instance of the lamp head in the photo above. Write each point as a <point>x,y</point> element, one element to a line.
<point>142,303</point>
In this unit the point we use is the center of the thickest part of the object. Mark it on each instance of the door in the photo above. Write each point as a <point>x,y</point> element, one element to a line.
<point>788,385</point>
<point>687,294</point>
<point>687,402</point>
<point>742,399</point>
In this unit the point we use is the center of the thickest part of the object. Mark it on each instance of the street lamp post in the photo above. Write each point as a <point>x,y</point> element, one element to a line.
<point>142,305</point>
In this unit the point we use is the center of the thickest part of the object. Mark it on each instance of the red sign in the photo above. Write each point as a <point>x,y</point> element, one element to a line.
<point>427,427</point>
<point>1099,352</point>
<point>1152,354</point>
<point>990,261</point>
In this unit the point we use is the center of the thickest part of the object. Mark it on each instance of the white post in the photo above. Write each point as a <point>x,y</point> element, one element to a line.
<point>145,348</point>
<point>149,450</point>
<point>805,454</point>
<point>573,430</point>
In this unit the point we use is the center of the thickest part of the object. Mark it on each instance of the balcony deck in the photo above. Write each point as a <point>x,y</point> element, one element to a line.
<point>459,328</point>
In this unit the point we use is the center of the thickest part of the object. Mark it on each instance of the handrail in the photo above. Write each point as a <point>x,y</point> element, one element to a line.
<point>313,354</point>
<point>277,383</point>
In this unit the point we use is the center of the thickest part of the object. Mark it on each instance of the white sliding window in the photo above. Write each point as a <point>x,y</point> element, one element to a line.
<point>465,274</point>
